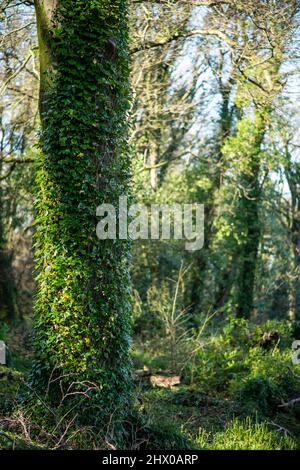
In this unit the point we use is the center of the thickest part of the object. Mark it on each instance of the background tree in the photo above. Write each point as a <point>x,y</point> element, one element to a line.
<point>18,100</point>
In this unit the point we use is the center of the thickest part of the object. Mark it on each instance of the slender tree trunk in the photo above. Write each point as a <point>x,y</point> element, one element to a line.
<point>293,181</point>
<point>153,161</point>
<point>296,251</point>
<point>249,250</point>
<point>9,310</point>
<point>248,217</point>
<point>82,307</point>
<point>202,256</point>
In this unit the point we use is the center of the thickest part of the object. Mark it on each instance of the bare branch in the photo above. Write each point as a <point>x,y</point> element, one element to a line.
<point>174,37</point>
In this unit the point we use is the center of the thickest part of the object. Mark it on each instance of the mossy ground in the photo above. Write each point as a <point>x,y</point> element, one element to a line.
<point>214,422</point>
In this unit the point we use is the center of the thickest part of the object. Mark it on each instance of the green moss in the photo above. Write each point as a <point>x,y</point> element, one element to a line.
<point>10,383</point>
<point>12,441</point>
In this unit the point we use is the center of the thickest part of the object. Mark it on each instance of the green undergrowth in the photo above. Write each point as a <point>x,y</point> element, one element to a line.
<point>234,394</point>
<point>211,422</point>
<point>235,387</point>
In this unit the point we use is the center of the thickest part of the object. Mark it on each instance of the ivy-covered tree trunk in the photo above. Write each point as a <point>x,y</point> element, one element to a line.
<point>248,216</point>
<point>247,257</point>
<point>243,155</point>
<point>82,306</point>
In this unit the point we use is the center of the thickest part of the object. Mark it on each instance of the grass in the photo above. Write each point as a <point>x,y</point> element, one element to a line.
<point>246,435</point>
<point>215,423</point>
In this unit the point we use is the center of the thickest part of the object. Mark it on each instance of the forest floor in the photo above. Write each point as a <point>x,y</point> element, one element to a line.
<point>231,399</point>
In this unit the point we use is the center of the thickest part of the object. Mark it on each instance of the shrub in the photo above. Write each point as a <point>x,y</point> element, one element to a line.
<point>268,382</point>
<point>259,394</point>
